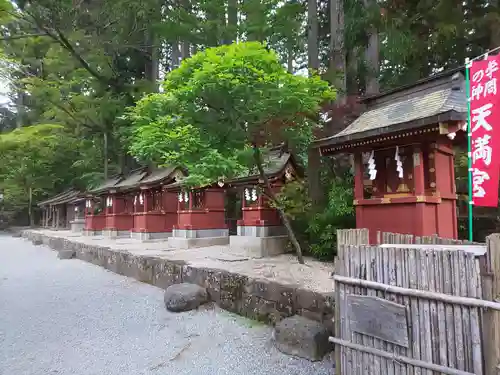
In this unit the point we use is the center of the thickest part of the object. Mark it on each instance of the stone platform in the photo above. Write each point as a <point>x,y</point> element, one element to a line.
<point>266,289</point>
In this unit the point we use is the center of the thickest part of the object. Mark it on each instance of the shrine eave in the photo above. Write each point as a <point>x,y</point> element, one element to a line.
<point>106,185</point>
<point>344,143</point>
<point>274,169</point>
<point>67,196</point>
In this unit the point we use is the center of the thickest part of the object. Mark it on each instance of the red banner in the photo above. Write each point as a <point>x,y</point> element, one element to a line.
<point>485,128</point>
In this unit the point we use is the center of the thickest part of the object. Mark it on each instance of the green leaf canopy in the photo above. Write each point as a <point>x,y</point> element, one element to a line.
<point>218,104</point>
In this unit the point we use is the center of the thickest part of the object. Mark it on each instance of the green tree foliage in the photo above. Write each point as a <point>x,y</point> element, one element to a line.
<point>79,64</point>
<point>317,230</point>
<point>218,104</point>
<point>38,161</point>
<point>220,110</point>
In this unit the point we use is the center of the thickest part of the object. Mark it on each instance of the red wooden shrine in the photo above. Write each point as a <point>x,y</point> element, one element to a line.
<point>199,211</point>
<point>155,207</point>
<point>403,158</point>
<point>257,210</point>
<point>95,219</point>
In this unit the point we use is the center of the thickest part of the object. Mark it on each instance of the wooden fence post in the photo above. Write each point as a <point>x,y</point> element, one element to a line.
<point>490,279</point>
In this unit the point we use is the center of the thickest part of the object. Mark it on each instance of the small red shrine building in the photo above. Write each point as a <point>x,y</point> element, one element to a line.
<point>155,208</point>
<point>97,207</point>
<point>119,207</point>
<point>260,230</point>
<point>403,157</point>
<point>200,216</point>
<point>134,205</point>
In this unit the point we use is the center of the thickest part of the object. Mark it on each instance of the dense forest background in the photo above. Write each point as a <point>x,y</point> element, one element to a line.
<point>71,69</point>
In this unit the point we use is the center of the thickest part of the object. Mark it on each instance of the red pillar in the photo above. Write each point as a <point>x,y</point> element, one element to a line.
<point>419,186</point>
<point>358,187</point>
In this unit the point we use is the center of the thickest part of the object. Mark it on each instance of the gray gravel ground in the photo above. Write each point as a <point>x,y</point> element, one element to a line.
<point>71,317</point>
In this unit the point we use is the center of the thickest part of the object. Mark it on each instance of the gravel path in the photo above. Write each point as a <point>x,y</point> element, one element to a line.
<point>71,317</point>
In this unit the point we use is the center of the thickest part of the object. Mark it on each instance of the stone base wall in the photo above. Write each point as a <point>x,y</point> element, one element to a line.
<point>149,236</point>
<point>191,243</point>
<point>260,246</point>
<point>261,231</point>
<point>263,300</point>
<point>113,233</point>
<point>90,233</point>
<point>200,233</point>
<point>77,226</point>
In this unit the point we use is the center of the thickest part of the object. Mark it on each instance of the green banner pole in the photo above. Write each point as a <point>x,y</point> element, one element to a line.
<point>469,145</point>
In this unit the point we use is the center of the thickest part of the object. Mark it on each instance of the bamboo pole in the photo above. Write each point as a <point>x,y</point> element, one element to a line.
<point>469,144</point>
<point>398,358</point>
<point>472,302</point>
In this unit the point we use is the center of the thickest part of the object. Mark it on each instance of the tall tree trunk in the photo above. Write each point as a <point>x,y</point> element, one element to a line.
<point>352,71</point>
<point>176,55</point>
<point>313,158</point>
<point>30,207</point>
<point>338,57</point>
<point>312,35</point>
<point>289,59</point>
<point>372,57</point>
<point>232,20</point>
<point>151,57</point>
<point>494,21</point>
<point>185,50</point>
<point>185,45</point>
<point>106,157</point>
<point>19,109</point>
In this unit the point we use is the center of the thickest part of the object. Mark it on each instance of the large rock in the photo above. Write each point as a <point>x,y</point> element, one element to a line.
<point>184,297</point>
<point>302,337</point>
<point>66,254</point>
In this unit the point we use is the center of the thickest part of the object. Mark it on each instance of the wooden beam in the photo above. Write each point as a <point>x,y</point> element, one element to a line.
<point>446,298</point>
<point>477,250</point>
<point>399,358</point>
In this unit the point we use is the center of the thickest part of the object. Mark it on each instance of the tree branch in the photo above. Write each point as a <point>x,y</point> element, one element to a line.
<point>69,47</point>
<point>25,36</point>
<point>58,36</point>
<point>267,186</point>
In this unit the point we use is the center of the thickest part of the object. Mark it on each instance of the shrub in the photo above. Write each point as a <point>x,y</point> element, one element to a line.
<point>317,229</point>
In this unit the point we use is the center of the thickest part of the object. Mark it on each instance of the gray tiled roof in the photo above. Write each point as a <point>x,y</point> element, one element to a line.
<point>412,108</point>
<point>66,196</point>
<point>157,175</point>
<point>274,163</point>
<point>407,110</point>
<point>106,185</point>
<point>132,180</point>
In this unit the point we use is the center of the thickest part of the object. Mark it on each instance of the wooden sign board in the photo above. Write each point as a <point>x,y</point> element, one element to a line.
<point>378,318</point>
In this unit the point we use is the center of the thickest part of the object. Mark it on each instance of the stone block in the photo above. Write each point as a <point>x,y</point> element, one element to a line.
<point>272,291</point>
<point>309,300</point>
<point>184,297</point>
<point>66,254</point>
<point>232,290</point>
<point>77,225</point>
<point>302,337</point>
<point>150,236</point>
<point>190,243</point>
<point>166,273</point>
<point>113,233</point>
<point>200,233</point>
<point>261,231</point>
<point>260,246</point>
<point>194,275</point>
<point>143,269</point>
